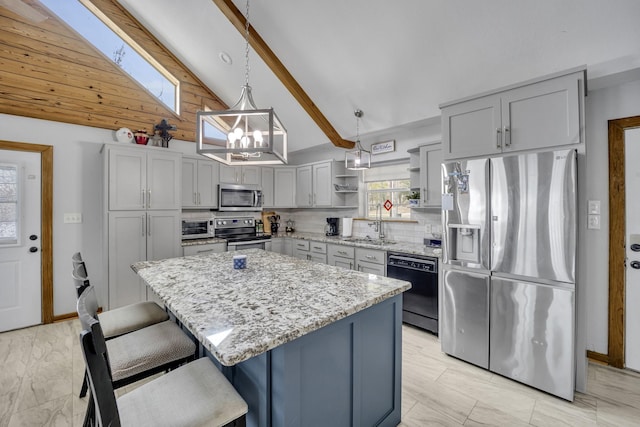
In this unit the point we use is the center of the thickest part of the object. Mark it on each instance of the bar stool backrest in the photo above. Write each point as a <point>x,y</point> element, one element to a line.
<point>94,349</point>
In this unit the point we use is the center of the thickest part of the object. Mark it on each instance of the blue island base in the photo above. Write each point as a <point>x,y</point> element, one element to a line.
<point>345,374</point>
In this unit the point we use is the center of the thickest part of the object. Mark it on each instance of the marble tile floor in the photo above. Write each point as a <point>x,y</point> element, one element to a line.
<point>41,371</point>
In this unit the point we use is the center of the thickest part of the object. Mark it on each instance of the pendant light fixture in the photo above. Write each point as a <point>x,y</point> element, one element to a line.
<point>359,158</point>
<point>243,134</point>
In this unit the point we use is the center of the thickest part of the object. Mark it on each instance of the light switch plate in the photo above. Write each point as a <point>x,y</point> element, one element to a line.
<point>594,207</point>
<point>594,222</point>
<point>73,218</point>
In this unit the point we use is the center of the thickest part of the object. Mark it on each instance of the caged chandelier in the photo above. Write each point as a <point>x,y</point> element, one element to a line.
<point>243,134</point>
<point>359,158</point>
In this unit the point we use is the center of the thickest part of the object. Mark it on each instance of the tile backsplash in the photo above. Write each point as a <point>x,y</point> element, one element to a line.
<point>314,221</point>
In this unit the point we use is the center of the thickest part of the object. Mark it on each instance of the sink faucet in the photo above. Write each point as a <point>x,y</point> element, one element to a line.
<point>377,224</point>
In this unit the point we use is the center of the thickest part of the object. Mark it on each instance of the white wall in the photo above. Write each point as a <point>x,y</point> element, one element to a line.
<point>602,105</point>
<point>77,187</point>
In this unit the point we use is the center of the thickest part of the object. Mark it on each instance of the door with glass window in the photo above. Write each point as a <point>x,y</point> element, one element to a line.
<point>20,255</point>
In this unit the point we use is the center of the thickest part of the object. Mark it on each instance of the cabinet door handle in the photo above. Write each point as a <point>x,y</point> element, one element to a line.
<point>142,198</point>
<point>142,223</point>
<point>199,200</point>
<point>310,202</point>
<point>507,136</point>
<point>498,138</point>
<point>149,227</point>
<point>350,265</point>
<point>148,198</point>
<point>195,198</point>
<point>317,247</point>
<point>342,252</point>
<point>370,257</point>
<point>424,195</point>
<point>204,252</point>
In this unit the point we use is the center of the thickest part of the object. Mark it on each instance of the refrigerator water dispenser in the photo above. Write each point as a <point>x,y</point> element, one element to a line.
<point>466,242</point>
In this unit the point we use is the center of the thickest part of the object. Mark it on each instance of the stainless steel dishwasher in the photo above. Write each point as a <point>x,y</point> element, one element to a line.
<point>420,303</point>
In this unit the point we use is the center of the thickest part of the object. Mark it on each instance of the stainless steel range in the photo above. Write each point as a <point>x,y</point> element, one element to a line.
<point>240,233</point>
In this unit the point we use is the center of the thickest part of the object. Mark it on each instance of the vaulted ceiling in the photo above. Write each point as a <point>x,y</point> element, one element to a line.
<point>395,60</point>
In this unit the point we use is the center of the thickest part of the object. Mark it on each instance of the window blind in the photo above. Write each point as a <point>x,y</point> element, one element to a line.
<point>387,172</point>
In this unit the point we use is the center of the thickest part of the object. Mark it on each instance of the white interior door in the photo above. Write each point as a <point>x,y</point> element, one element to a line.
<point>20,256</point>
<point>632,227</point>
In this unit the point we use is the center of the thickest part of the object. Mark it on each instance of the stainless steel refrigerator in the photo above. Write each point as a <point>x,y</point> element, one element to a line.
<point>509,266</point>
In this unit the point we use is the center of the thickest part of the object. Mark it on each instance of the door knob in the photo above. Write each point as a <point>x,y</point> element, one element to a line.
<point>635,264</point>
<point>33,249</point>
<point>33,237</point>
<point>635,247</point>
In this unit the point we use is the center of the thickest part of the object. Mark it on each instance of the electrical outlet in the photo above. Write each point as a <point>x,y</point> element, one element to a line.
<point>73,218</point>
<point>594,222</point>
<point>594,207</point>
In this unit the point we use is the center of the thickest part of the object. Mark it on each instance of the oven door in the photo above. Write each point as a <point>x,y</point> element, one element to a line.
<point>259,244</point>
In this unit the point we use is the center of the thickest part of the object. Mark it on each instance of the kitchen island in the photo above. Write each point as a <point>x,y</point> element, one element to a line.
<point>303,343</point>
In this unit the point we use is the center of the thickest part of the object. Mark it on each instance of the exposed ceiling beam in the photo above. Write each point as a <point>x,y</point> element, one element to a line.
<point>258,44</point>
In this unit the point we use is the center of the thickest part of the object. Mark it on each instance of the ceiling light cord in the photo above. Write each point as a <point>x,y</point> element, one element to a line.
<point>246,53</point>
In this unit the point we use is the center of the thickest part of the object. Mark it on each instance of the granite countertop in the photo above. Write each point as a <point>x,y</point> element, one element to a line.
<point>239,314</point>
<point>195,242</point>
<point>384,245</point>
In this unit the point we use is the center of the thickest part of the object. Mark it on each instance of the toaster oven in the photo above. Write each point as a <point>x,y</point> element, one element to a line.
<point>198,228</point>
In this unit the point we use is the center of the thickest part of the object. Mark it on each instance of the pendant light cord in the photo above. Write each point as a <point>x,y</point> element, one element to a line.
<point>246,53</point>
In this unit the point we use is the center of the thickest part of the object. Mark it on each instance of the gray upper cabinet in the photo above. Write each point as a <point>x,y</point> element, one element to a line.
<point>304,189</point>
<point>200,180</point>
<point>540,114</point>
<point>267,180</point>
<point>240,174</point>
<point>284,187</point>
<point>314,185</point>
<point>143,179</point>
<point>326,184</point>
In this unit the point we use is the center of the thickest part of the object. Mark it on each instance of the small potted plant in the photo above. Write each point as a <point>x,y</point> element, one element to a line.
<point>414,198</point>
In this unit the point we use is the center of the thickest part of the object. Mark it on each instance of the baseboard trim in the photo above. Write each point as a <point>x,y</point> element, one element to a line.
<point>67,316</point>
<point>63,317</point>
<point>598,357</point>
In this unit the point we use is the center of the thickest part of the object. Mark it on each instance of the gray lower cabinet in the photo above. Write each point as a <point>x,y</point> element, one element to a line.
<point>371,261</point>
<point>341,256</point>
<point>204,249</point>
<point>138,236</point>
<point>282,245</point>
<point>310,250</point>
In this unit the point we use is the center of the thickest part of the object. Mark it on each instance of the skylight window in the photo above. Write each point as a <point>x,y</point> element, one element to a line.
<point>117,46</point>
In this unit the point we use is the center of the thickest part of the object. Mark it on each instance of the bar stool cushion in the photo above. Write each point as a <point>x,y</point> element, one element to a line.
<point>196,394</point>
<point>153,346</point>
<point>123,320</point>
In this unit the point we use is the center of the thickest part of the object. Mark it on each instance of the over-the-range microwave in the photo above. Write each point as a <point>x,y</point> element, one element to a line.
<point>239,197</point>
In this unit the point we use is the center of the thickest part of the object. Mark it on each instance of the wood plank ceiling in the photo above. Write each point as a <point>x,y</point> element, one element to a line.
<point>48,71</point>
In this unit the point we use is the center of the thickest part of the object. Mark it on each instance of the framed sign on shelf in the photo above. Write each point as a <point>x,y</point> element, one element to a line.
<point>383,147</point>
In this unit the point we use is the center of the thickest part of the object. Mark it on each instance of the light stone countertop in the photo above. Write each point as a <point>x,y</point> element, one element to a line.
<point>385,245</point>
<point>196,242</point>
<point>239,314</point>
